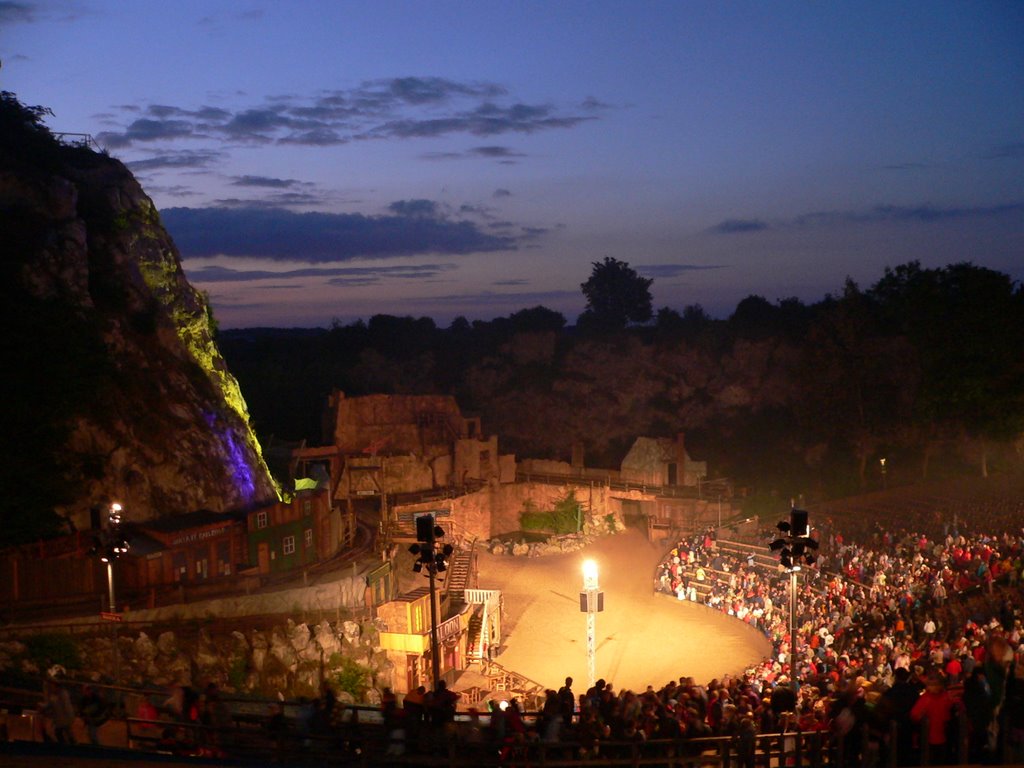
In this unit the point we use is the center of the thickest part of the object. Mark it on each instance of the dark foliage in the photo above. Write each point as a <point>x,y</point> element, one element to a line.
<point>923,361</point>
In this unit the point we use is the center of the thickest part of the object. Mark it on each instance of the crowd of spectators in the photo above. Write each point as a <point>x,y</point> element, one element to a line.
<point>921,630</point>
<point>898,629</point>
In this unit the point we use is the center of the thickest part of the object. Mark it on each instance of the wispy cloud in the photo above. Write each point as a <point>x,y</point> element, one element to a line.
<point>1005,151</point>
<point>404,107</point>
<point>673,270</point>
<point>15,12</point>
<point>335,275</point>
<point>414,227</point>
<point>902,213</point>
<point>264,181</point>
<point>737,226</point>
<point>922,214</point>
<point>904,167</point>
<point>493,298</point>
<point>185,158</point>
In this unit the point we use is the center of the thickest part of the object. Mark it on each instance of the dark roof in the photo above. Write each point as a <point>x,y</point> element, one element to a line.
<point>141,544</point>
<point>188,520</point>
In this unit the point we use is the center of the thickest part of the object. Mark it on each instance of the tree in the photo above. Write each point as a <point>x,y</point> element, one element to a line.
<point>616,296</point>
<point>966,324</point>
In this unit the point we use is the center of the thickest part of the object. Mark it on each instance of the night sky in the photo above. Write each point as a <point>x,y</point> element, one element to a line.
<point>320,161</point>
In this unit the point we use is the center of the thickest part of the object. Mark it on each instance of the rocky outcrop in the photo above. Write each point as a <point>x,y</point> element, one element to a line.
<point>290,658</point>
<point>149,414</point>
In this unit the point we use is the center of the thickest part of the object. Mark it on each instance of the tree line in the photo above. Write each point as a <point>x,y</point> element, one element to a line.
<point>923,366</point>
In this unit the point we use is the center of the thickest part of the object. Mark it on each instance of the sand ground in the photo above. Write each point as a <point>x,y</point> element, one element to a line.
<point>641,638</point>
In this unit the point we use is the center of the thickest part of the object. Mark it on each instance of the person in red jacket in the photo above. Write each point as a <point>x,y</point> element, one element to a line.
<point>936,705</point>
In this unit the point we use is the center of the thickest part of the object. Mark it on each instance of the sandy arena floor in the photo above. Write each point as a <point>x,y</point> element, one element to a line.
<point>641,637</point>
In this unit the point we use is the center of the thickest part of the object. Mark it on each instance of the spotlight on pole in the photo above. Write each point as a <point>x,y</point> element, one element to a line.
<point>795,547</point>
<point>592,603</point>
<point>433,559</point>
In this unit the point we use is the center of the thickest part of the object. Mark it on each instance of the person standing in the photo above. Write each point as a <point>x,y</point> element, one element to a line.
<point>93,710</point>
<point>57,706</point>
<point>936,705</point>
<point>567,702</point>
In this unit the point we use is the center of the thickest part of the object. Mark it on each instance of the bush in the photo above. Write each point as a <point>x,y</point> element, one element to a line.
<point>564,518</point>
<point>349,675</point>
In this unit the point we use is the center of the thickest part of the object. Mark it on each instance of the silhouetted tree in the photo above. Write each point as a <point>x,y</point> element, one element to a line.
<point>616,296</point>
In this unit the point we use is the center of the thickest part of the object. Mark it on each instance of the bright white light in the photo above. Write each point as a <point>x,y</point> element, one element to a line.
<point>589,574</point>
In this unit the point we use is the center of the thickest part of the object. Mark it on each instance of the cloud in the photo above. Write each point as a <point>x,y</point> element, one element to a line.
<point>491,298</point>
<point>925,213</point>
<point>282,235</point>
<point>505,155</point>
<point>734,226</point>
<point>185,158</point>
<point>264,181</point>
<point>415,208</point>
<point>495,151</point>
<point>336,275</point>
<point>279,200</point>
<point>403,107</point>
<point>145,129</point>
<point>904,167</point>
<point>1006,151</point>
<point>429,90</point>
<point>500,192</point>
<point>176,190</point>
<point>488,119</point>
<point>673,270</point>
<point>14,12</point>
<point>518,281</point>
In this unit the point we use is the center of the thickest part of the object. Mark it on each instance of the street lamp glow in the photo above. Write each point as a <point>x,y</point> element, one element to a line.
<point>589,574</point>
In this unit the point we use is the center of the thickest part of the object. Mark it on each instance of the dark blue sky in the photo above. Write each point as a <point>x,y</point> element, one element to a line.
<point>335,160</point>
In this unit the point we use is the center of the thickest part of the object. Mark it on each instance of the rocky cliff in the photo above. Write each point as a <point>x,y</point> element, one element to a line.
<point>115,387</point>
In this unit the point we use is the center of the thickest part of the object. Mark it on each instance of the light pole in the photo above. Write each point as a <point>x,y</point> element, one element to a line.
<point>111,546</point>
<point>433,561</point>
<point>794,546</point>
<point>591,601</point>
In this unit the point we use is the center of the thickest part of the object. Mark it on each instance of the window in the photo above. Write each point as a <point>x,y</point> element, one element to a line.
<point>308,537</point>
<point>261,520</point>
<point>288,545</point>
<point>307,508</point>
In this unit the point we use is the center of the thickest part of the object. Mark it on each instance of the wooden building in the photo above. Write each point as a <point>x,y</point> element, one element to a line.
<point>182,549</point>
<point>293,533</point>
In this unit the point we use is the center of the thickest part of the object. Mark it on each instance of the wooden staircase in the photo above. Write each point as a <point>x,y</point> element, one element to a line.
<point>460,571</point>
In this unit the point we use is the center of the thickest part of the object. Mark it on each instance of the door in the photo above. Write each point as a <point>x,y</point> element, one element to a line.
<point>263,556</point>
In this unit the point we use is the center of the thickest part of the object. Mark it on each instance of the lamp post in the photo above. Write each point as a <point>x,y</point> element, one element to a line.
<point>433,560</point>
<point>592,602</point>
<point>110,546</point>
<point>795,546</point>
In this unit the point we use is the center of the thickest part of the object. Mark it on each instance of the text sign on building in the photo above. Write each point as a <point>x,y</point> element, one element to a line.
<point>193,536</point>
<point>449,629</point>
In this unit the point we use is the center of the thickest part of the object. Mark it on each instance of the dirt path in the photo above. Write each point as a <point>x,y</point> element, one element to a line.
<point>641,638</point>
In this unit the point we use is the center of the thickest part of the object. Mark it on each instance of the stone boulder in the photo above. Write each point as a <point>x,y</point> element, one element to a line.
<point>167,644</point>
<point>145,650</point>
<point>327,639</point>
<point>351,631</point>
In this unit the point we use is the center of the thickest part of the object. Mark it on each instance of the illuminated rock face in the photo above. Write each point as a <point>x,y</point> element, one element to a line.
<point>162,426</point>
